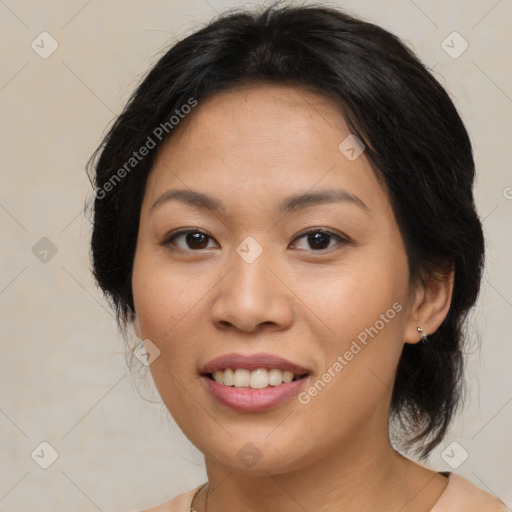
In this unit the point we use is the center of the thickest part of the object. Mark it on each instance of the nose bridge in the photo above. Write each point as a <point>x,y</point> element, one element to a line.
<point>251,294</point>
<point>250,272</point>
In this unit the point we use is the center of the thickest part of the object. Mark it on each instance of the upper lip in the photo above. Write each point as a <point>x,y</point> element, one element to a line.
<point>252,362</point>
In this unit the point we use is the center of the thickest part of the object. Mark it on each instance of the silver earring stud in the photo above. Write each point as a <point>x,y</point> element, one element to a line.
<point>423,335</point>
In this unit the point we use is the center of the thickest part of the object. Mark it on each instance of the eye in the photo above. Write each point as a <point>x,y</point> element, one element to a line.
<point>319,239</point>
<point>193,239</point>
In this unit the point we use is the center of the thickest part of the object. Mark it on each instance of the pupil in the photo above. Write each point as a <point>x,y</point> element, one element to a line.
<point>318,240</point>
<point>197,239</point>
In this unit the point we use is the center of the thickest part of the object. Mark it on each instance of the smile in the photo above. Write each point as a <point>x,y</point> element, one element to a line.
<point>253,383</point>
<point>258,379</point>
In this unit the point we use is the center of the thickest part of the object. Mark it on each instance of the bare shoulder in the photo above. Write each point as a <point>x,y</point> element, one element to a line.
<point>164,507</point>
<point>461,494</point>
<point>180,503</point>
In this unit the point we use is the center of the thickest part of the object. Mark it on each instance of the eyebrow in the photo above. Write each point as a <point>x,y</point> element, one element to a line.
<point>292,203</point>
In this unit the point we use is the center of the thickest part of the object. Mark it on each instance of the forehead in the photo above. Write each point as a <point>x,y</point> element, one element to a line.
<point>263,141</point>
<point>270,115</point>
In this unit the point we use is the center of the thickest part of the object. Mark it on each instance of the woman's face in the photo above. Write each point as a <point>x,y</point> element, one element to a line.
<point>336,303</point>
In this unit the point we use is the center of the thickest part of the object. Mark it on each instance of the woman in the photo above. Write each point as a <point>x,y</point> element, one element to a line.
<point>284,214</point>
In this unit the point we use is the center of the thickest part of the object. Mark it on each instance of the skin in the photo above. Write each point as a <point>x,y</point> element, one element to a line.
<point>251,148</point>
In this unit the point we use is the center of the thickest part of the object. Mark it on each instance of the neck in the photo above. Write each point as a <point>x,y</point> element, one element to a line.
<point>371,476</point>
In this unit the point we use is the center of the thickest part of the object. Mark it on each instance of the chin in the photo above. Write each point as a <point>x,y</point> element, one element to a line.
<point>258,457</point>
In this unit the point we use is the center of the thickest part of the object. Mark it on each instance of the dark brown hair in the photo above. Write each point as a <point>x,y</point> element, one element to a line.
<point>415,141</point>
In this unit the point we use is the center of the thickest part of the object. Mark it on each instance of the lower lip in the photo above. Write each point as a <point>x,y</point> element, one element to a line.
<point>253,400</point>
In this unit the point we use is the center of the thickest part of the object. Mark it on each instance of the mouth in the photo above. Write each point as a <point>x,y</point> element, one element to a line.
<point>260,378</point>
<point>257,371</point>
<point>253,383</point>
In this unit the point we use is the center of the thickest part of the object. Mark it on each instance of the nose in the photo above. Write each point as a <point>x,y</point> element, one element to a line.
<point>253,296</point>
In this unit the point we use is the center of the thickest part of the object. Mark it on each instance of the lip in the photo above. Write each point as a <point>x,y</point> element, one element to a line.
<point>249,399</point>
<point>252,362</point>
<point>253,400</point>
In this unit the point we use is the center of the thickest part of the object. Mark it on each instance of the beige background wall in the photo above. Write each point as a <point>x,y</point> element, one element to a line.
<point>63,377</point>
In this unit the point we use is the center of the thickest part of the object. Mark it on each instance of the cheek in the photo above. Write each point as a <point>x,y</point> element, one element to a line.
<point>364,308</point>
<point>164,294</point>
<point>359,362</point>
<point>364,295</point>
<point>164,304</point>
<point>165,301</point>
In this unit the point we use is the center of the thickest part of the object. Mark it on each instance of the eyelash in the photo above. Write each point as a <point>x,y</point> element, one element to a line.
<point>341,240</point>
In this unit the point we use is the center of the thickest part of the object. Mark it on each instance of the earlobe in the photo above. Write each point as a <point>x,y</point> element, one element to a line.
<point>431,306</point>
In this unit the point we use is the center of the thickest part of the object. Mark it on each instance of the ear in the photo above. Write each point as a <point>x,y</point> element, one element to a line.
<point>432,299</point>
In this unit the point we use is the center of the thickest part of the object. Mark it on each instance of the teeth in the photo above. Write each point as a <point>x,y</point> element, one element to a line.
<point>242,378</point>
<point>275,377</point>
<point>257,379</point>
<point>228,379</point>
<point>287,376</point>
